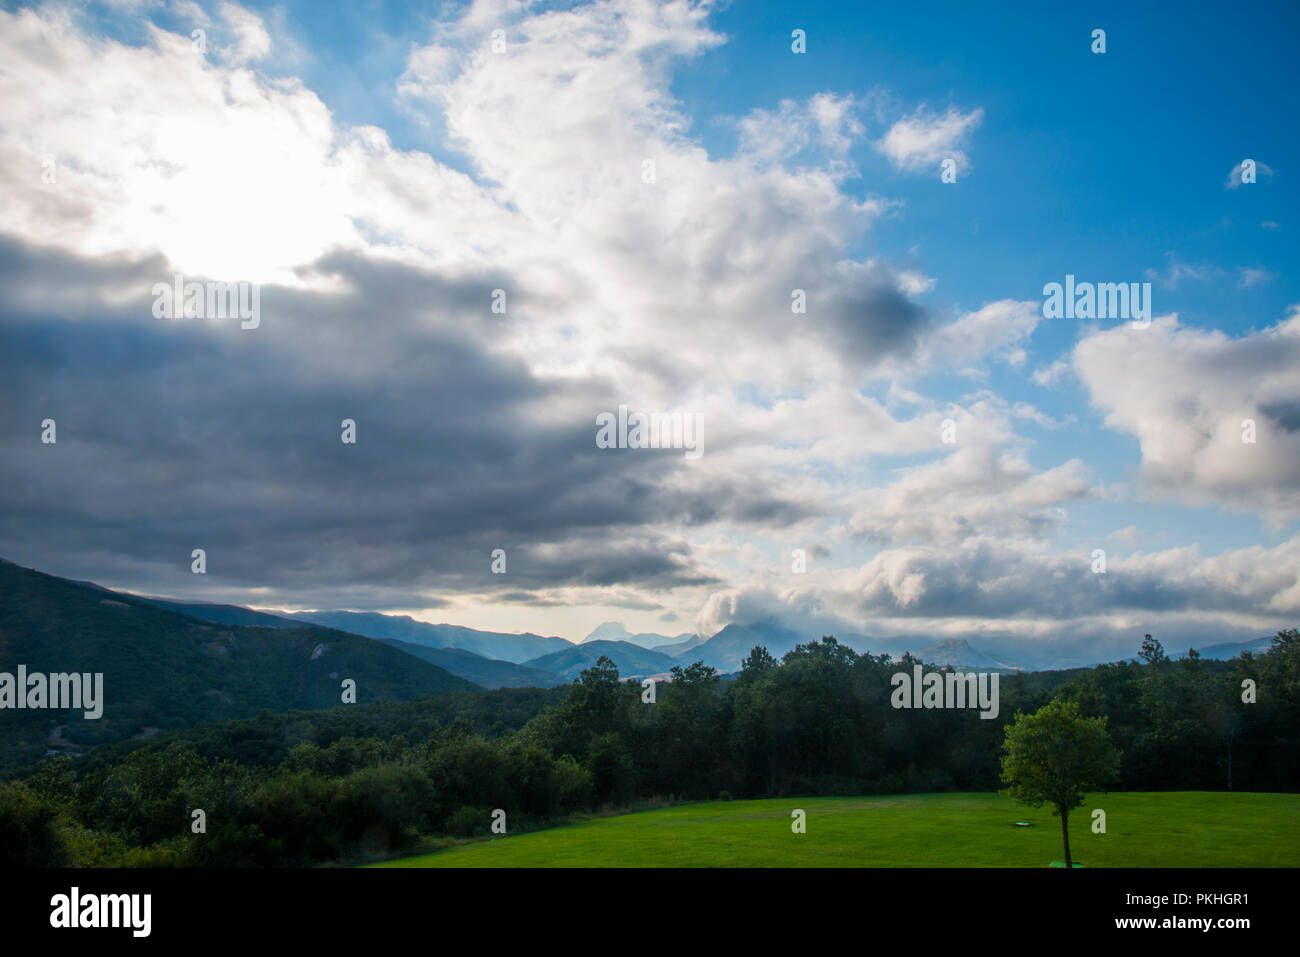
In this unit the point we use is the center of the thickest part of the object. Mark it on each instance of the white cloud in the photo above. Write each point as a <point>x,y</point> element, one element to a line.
<point>1049,375</point>
<point>1177,272</point>
<point>823,126</point>
<point>227,175</point>
<point>251,41</point>
<point>975,490</point>
<point>1173,277</point>
<point>1126,536</point>
<point>1234,175</point>
<point>1184,394</point>
<point>1254,276</point>
<point>921,141</point>
<point>993,329</point>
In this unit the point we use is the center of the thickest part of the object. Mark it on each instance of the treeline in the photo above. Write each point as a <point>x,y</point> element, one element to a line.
<point>370,780</point>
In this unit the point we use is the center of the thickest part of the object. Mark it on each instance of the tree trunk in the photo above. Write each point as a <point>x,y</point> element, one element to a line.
<point>1230,737</point>
<point>1065,836</point>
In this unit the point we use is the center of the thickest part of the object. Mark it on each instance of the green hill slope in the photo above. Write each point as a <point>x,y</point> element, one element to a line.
<point>487,672</point>
<point>633,661</point>
<point>165,670</point>
<point>226,614</point>
<point>490,644</point>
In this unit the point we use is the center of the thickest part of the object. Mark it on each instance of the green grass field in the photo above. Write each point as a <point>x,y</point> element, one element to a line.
<point>1174,829</point>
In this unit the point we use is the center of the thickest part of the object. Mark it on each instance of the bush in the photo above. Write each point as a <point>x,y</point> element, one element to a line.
<point>572,784</point>
<point>30,832</point>
<point>386,805</point>
<point>613,774</point>
<point>87,848</point>
<point>468,821</point>
<point>153,857</point>
<point>228,844</point>
<point>301,817</point>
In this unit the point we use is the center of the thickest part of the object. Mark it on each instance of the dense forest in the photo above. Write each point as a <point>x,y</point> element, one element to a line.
<point>369,780</point>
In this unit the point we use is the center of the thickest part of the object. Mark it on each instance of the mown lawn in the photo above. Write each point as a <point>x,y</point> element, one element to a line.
<point>1172,829</point>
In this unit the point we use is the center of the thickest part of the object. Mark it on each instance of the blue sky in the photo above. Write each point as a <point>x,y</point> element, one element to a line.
<point>1102,165</point>
<point>379,148</point>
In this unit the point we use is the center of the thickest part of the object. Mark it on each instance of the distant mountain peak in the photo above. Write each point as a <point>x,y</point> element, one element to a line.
<point>959,653</point>
<point>608,631</point>
<point>614,631</point>
<point>952,644</point>
<point>632,660</point>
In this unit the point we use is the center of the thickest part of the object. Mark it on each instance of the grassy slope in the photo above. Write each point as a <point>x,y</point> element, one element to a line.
<point>1172,829</point>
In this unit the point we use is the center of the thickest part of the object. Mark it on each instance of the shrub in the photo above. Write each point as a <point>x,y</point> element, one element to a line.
<point>30,832</point>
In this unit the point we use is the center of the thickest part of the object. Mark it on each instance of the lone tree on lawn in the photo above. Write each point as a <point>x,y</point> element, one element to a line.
<point>1054,756</point>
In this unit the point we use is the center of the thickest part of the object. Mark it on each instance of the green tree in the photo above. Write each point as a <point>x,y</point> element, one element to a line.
<point>595,699</point>
<point>689,742</point>
<point>30,835</point>
<point>758,663</point>
<point>1054,756</point>
<point>1286,648</point>
<point>1152,651</point>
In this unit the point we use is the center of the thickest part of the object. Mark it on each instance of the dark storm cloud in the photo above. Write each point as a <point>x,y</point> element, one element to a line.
<point>535,600</point>
<point>1286,414</point>
<point>1002,582</point>
<point>528,598</point>
<point>177,434</point>
<point>873,319</point>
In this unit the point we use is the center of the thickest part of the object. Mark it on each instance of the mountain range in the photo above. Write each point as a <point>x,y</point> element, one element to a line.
<point>1226,652</point>
<point>560,661</point>
<point>169,663</point>
<point>614,631</point>
<point>958,653</point>
<point>632,660</point>
<point>489,644</point>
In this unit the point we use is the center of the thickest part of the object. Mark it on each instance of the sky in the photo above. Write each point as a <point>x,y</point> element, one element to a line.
<point>474,228</point>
